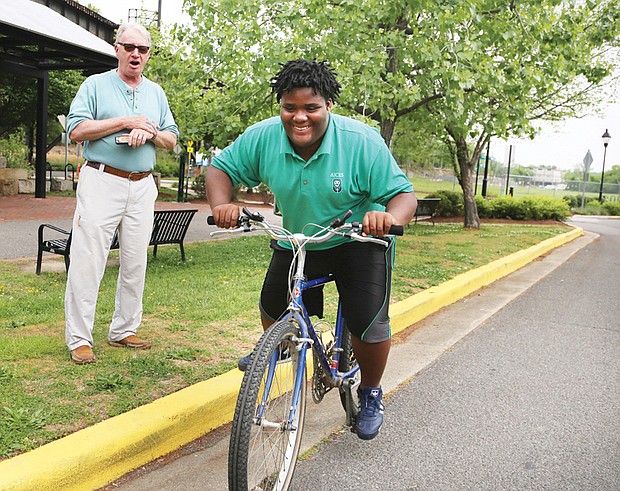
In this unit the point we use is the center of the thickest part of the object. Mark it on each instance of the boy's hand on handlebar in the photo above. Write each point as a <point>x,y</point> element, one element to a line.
<point>226,216</point>
<point>377,223</point>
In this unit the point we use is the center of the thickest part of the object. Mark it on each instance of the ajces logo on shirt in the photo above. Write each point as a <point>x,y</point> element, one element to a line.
<point>336,181</point>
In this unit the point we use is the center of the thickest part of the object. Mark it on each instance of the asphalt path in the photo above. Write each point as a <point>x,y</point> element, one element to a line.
<point>528,401</point>
<point>516,387</point>
<point>19,238</point>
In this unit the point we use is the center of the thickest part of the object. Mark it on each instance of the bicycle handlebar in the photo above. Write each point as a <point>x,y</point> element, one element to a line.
<point>251,221</point>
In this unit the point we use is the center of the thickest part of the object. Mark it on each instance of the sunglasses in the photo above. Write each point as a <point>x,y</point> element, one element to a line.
<point>131,47</point>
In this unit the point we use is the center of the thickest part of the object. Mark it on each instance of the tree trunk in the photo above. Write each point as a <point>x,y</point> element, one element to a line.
<point>386,128</point>
<point>30,143</point>
<point>466,171</point>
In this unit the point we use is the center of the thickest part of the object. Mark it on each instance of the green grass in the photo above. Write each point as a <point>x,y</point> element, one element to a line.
<point>201,316</point>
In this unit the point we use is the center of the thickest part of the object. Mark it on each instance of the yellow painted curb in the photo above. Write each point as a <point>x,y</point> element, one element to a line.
<point>412,310</point>
<point>97,455</point>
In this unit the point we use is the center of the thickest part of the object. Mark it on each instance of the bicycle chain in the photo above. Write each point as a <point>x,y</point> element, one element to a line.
<point>319,389</point>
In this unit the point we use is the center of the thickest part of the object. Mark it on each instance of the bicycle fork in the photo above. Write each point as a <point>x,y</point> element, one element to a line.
<point>301,346</point>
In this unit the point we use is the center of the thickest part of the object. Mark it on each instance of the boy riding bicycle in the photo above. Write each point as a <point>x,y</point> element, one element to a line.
<point>319,165</point>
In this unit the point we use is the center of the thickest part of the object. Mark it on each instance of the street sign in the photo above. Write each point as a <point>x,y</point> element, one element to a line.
<point>587,161</point>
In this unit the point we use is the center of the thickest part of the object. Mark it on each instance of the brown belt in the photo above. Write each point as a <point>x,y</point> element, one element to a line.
<point>132,176</point>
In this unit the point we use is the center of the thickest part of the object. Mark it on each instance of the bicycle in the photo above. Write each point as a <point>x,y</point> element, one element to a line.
<point>269,415</point>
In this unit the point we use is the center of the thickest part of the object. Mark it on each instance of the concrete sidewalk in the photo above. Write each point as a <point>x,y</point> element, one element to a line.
<point>95,456</point>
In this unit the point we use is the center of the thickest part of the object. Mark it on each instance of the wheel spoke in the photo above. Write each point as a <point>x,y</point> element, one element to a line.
<point>264,444</point>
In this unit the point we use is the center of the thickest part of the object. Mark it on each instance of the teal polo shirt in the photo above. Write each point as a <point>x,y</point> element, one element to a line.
<point>352,170</point>
<point>105,96</point>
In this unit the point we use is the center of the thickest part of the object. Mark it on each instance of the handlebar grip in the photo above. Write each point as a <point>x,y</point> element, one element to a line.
<point>397,230</point>
<point>210,220</point>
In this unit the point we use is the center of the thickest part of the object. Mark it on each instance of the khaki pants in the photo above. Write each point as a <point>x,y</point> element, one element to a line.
<point>105,202</point>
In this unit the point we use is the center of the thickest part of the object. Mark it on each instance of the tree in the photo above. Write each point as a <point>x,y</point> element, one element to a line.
<point>18,103</point>
<point>476,68</point>
<point>414,148</point>
<point>18,96</point>
<point>536,60</point>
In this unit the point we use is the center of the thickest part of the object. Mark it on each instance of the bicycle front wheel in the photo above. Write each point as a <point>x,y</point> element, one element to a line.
<point>265,442</point>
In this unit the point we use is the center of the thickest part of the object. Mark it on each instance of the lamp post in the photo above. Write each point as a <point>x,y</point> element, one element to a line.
<point>606,138</point>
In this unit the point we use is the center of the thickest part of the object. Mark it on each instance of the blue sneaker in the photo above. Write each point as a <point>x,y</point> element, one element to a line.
<point>370,416</point>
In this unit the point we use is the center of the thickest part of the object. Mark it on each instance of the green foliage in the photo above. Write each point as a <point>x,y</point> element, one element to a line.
<point>64,85</point>
<point>199,186</point>
<point>573,201</point>
<point>592,206</point>
<point>18,99</point>
<point>612,175</point>
<point>451,204</point>
<point>185,354</point>
<point>17,102</point>
<point>23,418</point>
<point>5,374</point>
<point>611,208</point>
<point>479,69</point>
<point>167,164</point>
<point>13,148</point>
<point>528,208</point>
<point>108,381</point>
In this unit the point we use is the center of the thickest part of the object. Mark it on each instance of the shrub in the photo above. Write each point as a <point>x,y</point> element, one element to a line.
<point>611,208</point>
<point>199,186</point>
<point>573,201</point>
<point>167,164</point>
<point>14,150</point>
<point>528,208</point>
<point>451,204</point>
<point>547,208</point>
<point>508,207</point>
<point>591,208</point>
<point>485,207</point>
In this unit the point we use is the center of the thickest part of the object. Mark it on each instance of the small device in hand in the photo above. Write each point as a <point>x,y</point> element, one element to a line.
<point>123,139</point>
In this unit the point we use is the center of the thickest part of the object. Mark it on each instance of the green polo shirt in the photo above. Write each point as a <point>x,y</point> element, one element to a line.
<point>105,96</point>
<point>352,170</point>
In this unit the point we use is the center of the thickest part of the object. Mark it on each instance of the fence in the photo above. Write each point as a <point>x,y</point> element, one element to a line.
<point>528,186</point>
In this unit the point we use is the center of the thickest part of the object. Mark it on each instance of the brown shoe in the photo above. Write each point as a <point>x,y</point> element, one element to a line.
<point>131,341</point>
<point>83,355</point>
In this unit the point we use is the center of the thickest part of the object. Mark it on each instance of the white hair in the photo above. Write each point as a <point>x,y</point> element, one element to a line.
<point>128,27</point>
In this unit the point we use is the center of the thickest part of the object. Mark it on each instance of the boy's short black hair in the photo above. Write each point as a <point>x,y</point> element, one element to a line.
<point>303,73</point>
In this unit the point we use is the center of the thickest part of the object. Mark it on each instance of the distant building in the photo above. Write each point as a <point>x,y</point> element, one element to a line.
<point>545,177</point>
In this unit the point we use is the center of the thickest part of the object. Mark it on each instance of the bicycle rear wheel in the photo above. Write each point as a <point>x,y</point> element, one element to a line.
<point>263,448</point>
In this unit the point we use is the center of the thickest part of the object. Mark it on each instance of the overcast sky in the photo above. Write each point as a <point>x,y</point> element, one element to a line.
<point>562,144</point>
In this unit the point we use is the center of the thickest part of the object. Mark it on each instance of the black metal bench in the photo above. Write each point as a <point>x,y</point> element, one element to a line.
<point>169,227</point>
<point>426,210</point>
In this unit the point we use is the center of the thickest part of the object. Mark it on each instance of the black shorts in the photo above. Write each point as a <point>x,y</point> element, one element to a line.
<point>363,273</point>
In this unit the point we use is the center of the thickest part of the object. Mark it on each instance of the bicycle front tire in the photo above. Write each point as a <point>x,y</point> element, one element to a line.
<point>263,451</point>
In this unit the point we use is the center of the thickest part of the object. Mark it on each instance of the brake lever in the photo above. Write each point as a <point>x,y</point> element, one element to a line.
<point>355,229</point>
<point>253,215</point>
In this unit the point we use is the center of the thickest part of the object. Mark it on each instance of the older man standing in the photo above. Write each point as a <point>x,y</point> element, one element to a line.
<point>121,117</point>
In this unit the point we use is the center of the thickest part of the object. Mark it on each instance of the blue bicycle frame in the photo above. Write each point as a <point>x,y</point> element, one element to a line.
<point>297,312</point>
